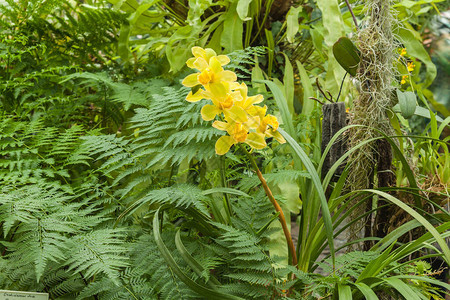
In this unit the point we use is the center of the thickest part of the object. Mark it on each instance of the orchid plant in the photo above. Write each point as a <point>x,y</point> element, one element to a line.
<point>239,116</point>
<point>244,121</point>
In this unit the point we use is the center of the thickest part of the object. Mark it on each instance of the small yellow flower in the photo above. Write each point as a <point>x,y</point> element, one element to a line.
<point>403,52</point>
<point>411,66</point>
<point>404,77</point>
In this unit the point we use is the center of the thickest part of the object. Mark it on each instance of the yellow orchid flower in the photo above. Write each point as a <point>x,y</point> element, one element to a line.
<point>210,67</point>
<point>247,102</point>
<point>411,66</point>
<point>244,122</point>
<point>225,104</point>
<point>268,124</point>
<point>402,51</point>
<point>404,77</point>
<point>202,57</point>
<point>238,133</point>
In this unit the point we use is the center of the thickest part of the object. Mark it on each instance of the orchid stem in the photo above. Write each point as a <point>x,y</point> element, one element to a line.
<point>352,13</point>
<point>269,194</point>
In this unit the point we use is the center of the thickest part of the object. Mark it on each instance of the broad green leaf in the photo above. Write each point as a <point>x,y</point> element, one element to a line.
<point>122,45</point>
<point>318,187</point>
<point>177,55</point>
<point>394,235</point>
<point>290,192</point>
<point>257,75</point>
<point>368,293</point>
<point>435,104</point>
<point>292,23</point>
<point>376,265</point>
<point>242,9</point>
<point>407,102</point>
<point>402,288</point>
<point>288,81</point>
<point>444,124</point>
<point>196,10</point>
<point>444,246</point>
<point>317,32</point>
<point>226,191</point>
<point>142,8</point>
<point>423,112</point>
<point>332,20</point>
<point>232,34</point>
<point>308,91</point>
<point>411,4</point>
<point>346,55</point>
<point>271,50</point>
<point>345,292</point>
<point>214,42</point>
<point>195,265</point>
<point>431,280</point>
<point>334,75</point>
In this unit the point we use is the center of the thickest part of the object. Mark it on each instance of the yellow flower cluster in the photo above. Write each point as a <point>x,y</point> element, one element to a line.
<point>240,118</point>
<point>410,66</point>
<point>404,77</point>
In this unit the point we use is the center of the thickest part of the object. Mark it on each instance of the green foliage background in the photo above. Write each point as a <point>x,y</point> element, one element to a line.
<point>109,184</point>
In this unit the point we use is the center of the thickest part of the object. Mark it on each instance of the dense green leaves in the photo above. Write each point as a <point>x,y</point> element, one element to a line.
<point>109,184</point>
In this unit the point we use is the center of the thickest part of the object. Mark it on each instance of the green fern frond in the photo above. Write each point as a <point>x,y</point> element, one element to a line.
<point>181,196</point>
<point>277,177</point>
<point>195,134</point>
<point>40,228</point>
<point>147,260</point>
<point>63,284</point>
<point>102,251</point>
<point>241,58</point>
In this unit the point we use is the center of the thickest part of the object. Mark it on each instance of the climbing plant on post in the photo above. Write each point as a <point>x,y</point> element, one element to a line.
<point>375,74</point>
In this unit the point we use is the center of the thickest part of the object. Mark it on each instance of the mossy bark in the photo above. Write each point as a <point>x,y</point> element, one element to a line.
<point>375,73</point>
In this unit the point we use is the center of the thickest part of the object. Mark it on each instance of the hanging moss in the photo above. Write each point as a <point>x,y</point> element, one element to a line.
<point>375,74</point>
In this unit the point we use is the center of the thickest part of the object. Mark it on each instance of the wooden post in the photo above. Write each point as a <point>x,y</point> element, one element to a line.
<point>334,119</point>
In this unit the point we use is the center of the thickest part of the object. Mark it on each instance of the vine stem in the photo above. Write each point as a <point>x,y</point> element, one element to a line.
<point>269,194</point>
<point>352,13</point>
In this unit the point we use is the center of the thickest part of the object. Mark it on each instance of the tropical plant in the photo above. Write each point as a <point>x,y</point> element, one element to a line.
<point>110,182</point>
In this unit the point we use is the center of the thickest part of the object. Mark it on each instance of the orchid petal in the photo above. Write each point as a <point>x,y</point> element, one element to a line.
<point>254,100</point>
<point>221,125</point>
<point>200,64</point>
<point>223,59</point>
<point>191,80</point>
<point>277,135</point>
<point>190,62</point>
<point>237,114</point>
<point>226,76</point>
<point>218,90</point>
<point>224,144</point>
<point>256,140</point>
<point>198,51</point>
<point>209,53</point>
<point>209,112</point>
<point>215,66</point>
<point>199,95</point>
